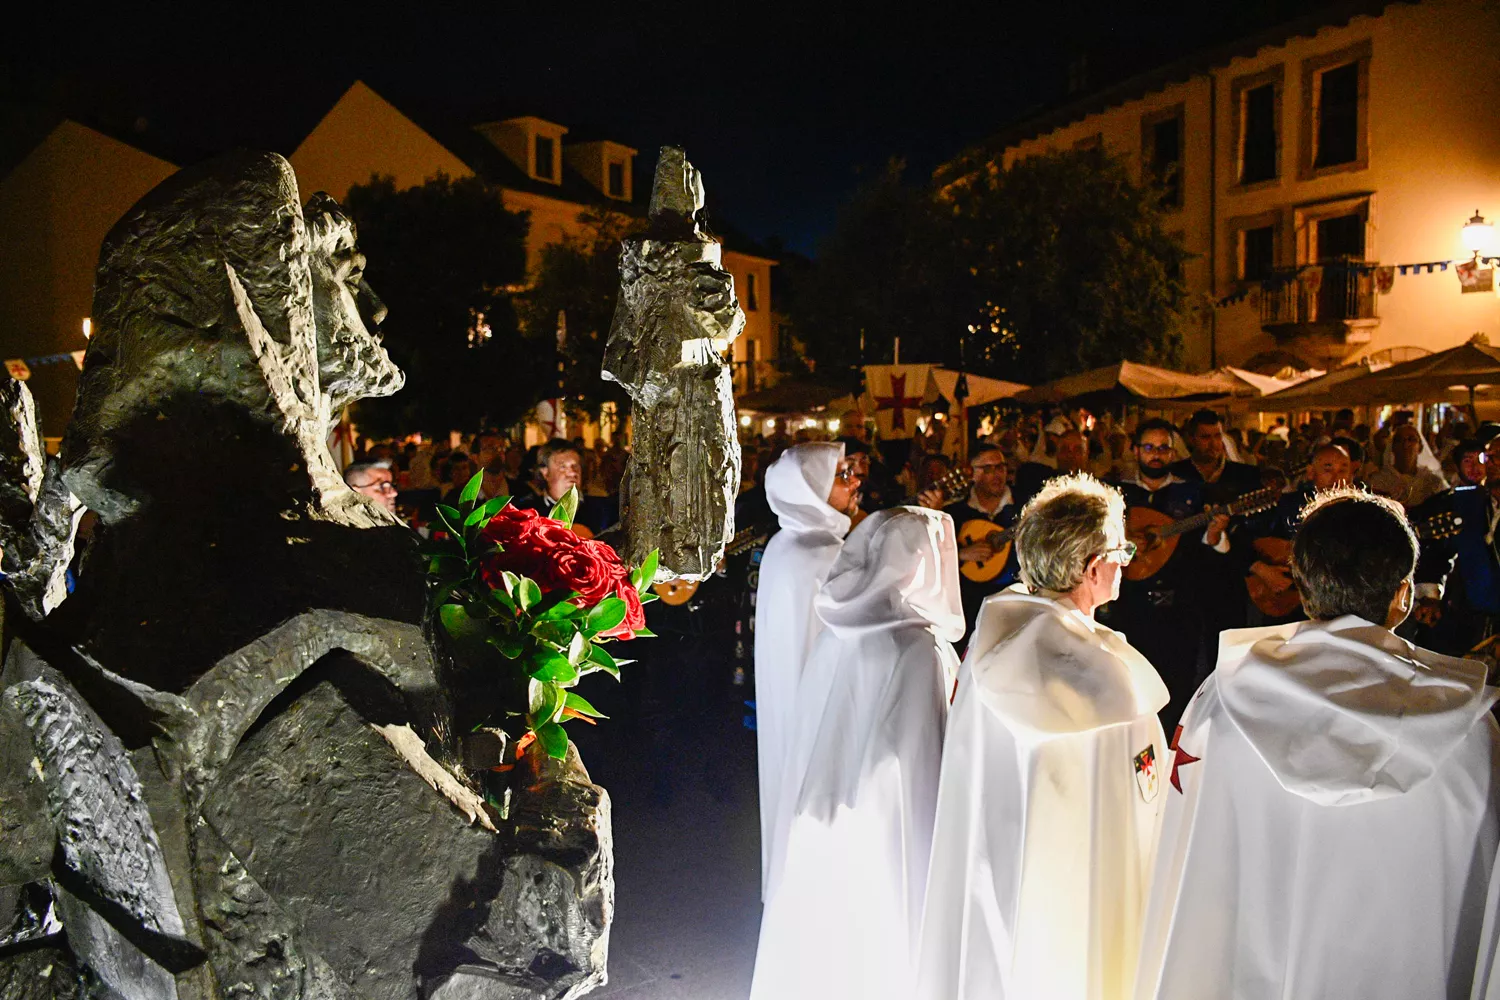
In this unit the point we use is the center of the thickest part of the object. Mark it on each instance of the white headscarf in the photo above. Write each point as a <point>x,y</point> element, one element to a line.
<point>798,484</point>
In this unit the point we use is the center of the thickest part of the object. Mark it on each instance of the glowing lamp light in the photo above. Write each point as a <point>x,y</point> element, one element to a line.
<point>1479,235</point>
<point>833,425</point>
<point>745,420</point>
<point>770,426</point>
<point>88,328</point>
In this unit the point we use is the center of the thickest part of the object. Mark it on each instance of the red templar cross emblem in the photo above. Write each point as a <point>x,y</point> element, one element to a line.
<point>1180,758</point>
<point>898,402</point>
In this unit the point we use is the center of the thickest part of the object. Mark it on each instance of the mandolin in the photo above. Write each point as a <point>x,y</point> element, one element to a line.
<point>1278,552</point>
<point>1155,534</point>
<point>980,530</point>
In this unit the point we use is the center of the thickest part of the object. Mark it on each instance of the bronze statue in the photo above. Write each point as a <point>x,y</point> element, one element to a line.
<point>676,317</point>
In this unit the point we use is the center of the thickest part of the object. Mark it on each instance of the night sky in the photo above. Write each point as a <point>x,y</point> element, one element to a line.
<point>783,106</point>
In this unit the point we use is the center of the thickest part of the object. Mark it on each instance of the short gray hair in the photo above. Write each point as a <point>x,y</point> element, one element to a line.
<point>1069,522</point>
<point>362,469</point>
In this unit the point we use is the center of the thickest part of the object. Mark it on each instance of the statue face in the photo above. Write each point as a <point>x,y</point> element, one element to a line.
<point>352,362</point>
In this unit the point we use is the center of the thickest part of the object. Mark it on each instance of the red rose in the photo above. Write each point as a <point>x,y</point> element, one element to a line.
<point>581,569</point>
<point>635,615</point>
<point>516,532</point>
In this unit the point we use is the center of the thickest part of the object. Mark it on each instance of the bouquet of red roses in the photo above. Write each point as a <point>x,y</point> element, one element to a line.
<point>528,588</point>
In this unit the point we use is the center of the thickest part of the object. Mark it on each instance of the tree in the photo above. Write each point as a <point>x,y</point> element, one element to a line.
<point>579,279</point>
<point>889,269</point>
<point>443,256</point>
<point>1058,264</point>
<point>1072,265</point>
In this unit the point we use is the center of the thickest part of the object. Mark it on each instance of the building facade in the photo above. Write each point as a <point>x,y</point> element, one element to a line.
<point>59,200</point>
<point>1297,166</point>
<point>538,171</point>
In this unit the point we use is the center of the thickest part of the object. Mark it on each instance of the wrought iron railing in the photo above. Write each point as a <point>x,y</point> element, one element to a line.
<point>1330,292</point>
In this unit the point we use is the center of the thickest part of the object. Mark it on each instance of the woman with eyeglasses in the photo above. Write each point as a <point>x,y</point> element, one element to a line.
<point>1051,791</point>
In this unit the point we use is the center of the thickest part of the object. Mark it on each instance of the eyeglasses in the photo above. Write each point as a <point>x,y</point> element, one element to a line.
<point>384,486</point>
<point>846,474</point>
<point>1121,553</point>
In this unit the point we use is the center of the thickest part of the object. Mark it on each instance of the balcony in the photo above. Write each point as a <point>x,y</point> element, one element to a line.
<point>1332,303</point>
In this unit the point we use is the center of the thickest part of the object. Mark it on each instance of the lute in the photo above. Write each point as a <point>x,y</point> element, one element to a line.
<point>1155,534</point>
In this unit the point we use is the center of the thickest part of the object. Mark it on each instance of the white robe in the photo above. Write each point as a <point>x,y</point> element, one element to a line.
<point>796,562</point>
<point>1336,825</point>
<point>1048,810</point>
<point>843,920</point>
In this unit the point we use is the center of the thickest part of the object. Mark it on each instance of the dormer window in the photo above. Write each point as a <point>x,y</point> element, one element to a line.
<point>616,180</point>
<point>546,158</point>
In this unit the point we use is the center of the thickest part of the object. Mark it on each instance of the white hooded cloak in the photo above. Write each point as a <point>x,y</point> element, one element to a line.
<point>1331,822</point>
<point>844,918</point>
<point>795,564</point>
<point>1048,810</point>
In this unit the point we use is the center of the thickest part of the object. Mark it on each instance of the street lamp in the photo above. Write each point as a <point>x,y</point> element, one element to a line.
<point>1479,236</point>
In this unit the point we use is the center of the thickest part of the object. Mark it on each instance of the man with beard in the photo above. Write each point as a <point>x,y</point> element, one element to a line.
<point>1208,461</point>
<point>1167,616</point>
<point>1458,576</point>
<point>1330,467</point>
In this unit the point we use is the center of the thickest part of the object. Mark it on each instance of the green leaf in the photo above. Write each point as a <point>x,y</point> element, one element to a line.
<point>600,658</point>
<point>553,739</point>
<point>554,668</point>
<point>512,581</point>
<point>511,647</point>
<point>503,599</point>
<point>578,649</point>
<point>449,515</point>
<point>545,700</point>
<point>471,488</point>
<point>607,614</point>
<point>528,594</point>
<point>645,574</point>
<point>580,704</point>
<point>561,610</point>
<point>644,633</point>
<point>558,632</point>
<point>566,508</point>
<point>647,597</point>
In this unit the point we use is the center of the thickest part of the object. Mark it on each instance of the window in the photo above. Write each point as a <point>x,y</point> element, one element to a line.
<point>751,298</point>
<point>1258,139</point>
<point>1257,253</point>
<point>1338,116</point>
<point>749,365</point>
<point>616,180</point>
<point>1095,141</point>
<point>1161,148</point>
<point>546,155</point>
<point>1341,237</point>
<point>1335,108</point>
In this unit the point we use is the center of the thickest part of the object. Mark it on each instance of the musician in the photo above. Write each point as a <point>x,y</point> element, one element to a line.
<point>1458,576</point>
<point>989,499</point>
<point>559,468</point>
<point>1208,461</point>
<point>1331,466</point>
<point>1168,616</point>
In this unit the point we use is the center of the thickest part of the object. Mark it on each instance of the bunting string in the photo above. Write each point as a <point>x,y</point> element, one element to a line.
<point>1311,274</point>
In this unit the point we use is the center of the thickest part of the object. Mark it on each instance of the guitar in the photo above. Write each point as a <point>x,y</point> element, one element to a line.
<point>980,530</point>
<point>1155,534</point>
<point>1278,552</point>
<point>675,593</point>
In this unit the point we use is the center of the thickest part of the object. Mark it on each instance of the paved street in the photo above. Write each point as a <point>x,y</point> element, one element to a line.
<point>680,768</point>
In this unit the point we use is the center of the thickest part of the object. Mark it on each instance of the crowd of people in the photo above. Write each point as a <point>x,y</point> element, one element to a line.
<point>1016,824</point>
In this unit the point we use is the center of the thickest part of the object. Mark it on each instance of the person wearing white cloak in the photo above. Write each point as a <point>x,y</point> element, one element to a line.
<point>1331,822</point>
<point>844,920</point>
<point>812,490</point>
<point>1050,798</point>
